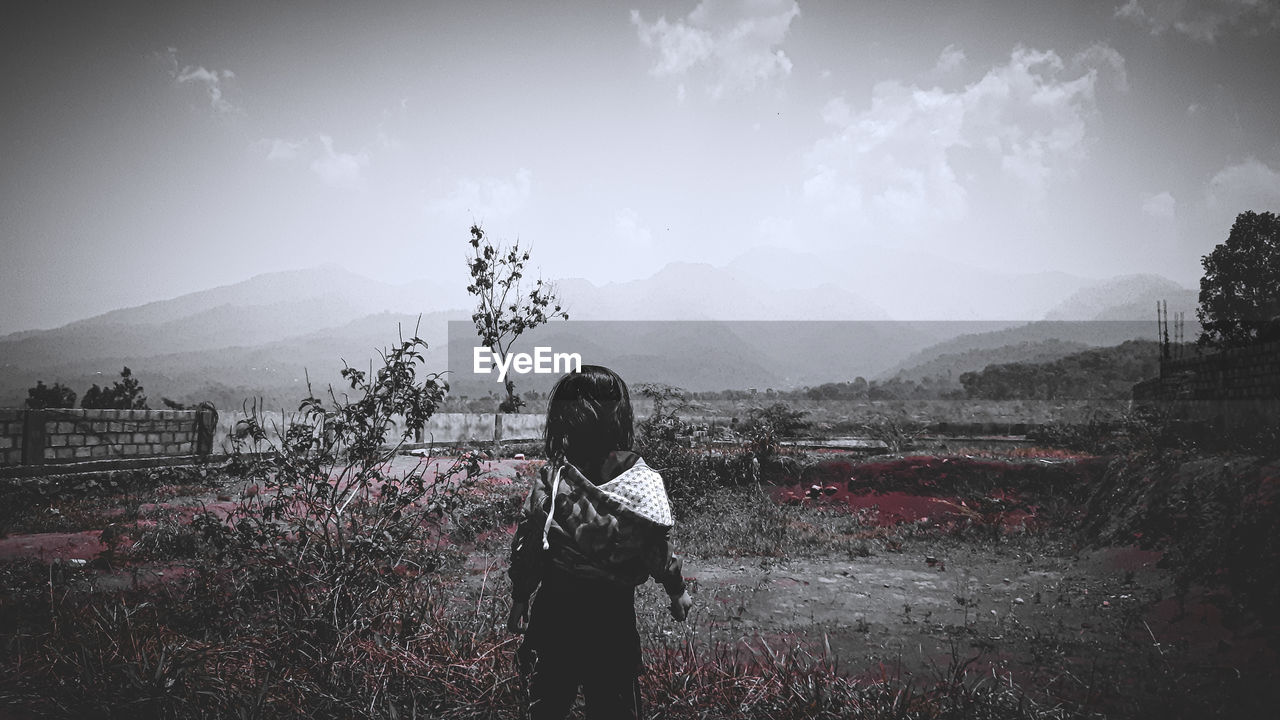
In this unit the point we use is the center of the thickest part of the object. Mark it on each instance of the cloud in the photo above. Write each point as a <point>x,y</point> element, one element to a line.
<point>279,150</point>
<point>1202,20</point>
<point>1247,185</point>
<point>630,233</point>
<point>334,168</point>
<point>952,58</point>
<point>210,80</point>
<point>1161,206</point>
<point>339,169</point>
<point>736,41</point>
<point>485,198</point>
<point>1101,57</point>
<point>913,158</point>
<point>680,47</point>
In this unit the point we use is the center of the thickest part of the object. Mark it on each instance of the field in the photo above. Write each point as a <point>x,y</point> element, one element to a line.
<point>957,585</point>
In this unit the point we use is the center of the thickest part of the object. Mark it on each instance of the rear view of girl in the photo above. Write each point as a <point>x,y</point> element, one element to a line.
<point>595,526</point>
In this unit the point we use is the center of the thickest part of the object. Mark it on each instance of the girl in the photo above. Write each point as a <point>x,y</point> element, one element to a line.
<point>595,526</point>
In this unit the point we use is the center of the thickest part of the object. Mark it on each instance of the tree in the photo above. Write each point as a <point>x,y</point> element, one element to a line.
<point>124,394</point>
<point>1240,288</point>
<point>58,396</point>
<point>664,423</point>
<point>897,432</point>
<point>768,426</point>
<point>504,311</point>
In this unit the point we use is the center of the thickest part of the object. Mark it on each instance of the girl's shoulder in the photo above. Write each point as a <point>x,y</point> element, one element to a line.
<point>641,490</point>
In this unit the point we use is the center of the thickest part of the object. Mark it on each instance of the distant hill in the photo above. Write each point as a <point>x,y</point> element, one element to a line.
<point>910,285</point>
<point>1129,297</point>
<point>259,310</point>
<point>948,367</point>
<point>276,370</point>
<point>1024,341</point>
<point>336,285</point>
<point>1096,374</point>
<point>250,338</point>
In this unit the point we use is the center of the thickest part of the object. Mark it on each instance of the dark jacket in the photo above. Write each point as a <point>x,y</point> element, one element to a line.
<point>616,533</point>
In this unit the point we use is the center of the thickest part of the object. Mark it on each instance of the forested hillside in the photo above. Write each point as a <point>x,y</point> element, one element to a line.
<point>1103,374</point>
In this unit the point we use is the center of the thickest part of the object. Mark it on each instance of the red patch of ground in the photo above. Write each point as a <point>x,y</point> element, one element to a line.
<point>936,490</point>
<point>53,546</point>
<point>893,508</point>
<point>896,507</point>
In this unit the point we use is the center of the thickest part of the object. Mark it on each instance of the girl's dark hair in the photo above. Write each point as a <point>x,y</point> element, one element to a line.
<point>588,416</point>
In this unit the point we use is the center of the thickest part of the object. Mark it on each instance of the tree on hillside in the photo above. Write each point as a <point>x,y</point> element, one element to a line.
<point>504,310</point>
<point>124,394</point>
<point>1240,289</point>
<point>58,396</point>
<point>1095,374</point>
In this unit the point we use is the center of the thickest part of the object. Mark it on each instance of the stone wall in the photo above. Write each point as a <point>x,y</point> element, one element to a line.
<point>10,436</point>
<point>464,427</point>
<point>1231,388</point>
<point>50,436</point>
<point>47,437</point>
<point>444,428</point>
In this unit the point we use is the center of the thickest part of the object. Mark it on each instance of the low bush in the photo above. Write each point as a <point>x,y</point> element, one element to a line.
<point>1213,516</point>
<point>313,598</point>
<point>694,477</point>
<point>1149,431</point>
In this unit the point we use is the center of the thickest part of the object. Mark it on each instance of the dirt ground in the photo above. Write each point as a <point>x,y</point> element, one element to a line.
<point>1020,611</point>
<point>897,609</point>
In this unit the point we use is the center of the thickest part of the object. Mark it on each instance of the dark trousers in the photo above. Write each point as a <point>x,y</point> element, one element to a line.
<point>553,688</point>
<point>582,634</point>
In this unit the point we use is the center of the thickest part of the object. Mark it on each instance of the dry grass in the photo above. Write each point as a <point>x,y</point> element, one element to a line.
<point>252,635</point>
<point>155,655</point>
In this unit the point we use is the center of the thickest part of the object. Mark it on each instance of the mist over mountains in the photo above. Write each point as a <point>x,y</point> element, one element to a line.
<point>911,285</point>
<point>1128,297</point>
<point>267,335</point>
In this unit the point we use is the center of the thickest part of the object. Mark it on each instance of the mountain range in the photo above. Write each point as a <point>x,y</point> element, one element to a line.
<point>781,319</point>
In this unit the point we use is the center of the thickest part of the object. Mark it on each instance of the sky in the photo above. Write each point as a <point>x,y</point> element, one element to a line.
<point>155,149</point>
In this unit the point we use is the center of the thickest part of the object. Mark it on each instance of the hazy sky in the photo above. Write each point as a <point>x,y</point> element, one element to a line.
<point>155,149</point>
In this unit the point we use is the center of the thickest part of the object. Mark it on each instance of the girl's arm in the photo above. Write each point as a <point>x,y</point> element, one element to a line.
<point>527,555</point>
<point>664,564</point>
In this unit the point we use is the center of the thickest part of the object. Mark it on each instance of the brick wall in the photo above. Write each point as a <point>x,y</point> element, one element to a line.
<point>42,437</point>
<point>10,436</point>
<point>1233,387</point>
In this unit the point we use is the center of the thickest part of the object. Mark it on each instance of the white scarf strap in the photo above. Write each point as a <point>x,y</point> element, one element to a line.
<point>546,527</point>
